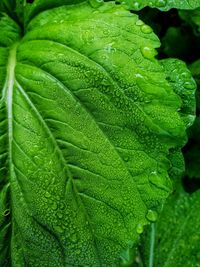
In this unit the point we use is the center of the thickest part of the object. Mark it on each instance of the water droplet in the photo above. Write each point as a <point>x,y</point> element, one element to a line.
<point>109,48</point>
<point>119,224</point>
<point>54,206</point>
<point>158,181</point>
<point>151,215</point>
<point>139,76</point>
<point>190,85</point>
<point>6,212</point>
<point>78,252</point>
<point>148,52</point>
<point>190,120</point>
<point>96,3</point>
<point>136,6</point>
<point>161,3</point>
<point>62,206</point>
<point>59,229</point>
<point>186,75</point>
<point>73,238</point>
<point>106,32</point>
<point>140,229</point>
<point>117,93</point>
<point>36,159</point>
<point>182,243</point>
<point>60,215</point>
<point>126,158</point>
<point>47,194</point>
<point>139,22</point>
<point>146,29</point>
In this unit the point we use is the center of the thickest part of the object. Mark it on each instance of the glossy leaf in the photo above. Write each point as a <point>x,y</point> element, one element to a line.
<point>184,85</point>
<point>38,6</point>
<point>160,4</point>
<point>87,121</point>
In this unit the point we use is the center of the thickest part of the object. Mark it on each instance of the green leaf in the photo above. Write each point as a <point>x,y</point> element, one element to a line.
<point>192,17</point>
<point>183,85</point>
<point>174,239</point>
<point>160,4</point>
<point>14,8</point>
<point>38,6</point>
<point>87,120</point>
<point>7,5</point>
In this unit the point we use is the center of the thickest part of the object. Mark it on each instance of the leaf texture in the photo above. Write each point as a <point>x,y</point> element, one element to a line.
<point>163,5</point>
<point>184,85</point>
<point>87,121</point>
<point>176,234</point>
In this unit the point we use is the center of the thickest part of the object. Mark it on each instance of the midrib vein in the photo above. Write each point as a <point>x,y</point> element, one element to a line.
<point>10,79</point>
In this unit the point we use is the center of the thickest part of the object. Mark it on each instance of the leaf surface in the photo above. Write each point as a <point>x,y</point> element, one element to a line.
<point>163,5</point>
<point>87,121</point>
<point>39,6</point>
<point>184,85</point>
<point>176,235</point>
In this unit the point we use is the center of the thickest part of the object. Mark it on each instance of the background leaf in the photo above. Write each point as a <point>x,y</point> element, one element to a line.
<point>176,235</point>
<point>192,17</point>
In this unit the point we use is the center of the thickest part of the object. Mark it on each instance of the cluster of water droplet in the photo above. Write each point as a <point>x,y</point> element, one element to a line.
<point>184,85</point>
<point>137,5</point>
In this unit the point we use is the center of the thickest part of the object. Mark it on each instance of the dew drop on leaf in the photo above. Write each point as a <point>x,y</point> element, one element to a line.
<point>60,215</point>
<point>47,194</point>
<point>96,3</point>
<point>6,212</point>
<point>59,229</point>
<point>140,229</point>
<point>78,252</point>
<point>148,52</point>
<point>136,5</point>
<point>37,159</point>
<point>185,75</point>
<point>126,158</point>
<point>54,206</point>
<point>139,76</point>
<point>189,85</point>
<point>151,215</point>
<point>146,29</point>
<point>139,22</point>
<point>74,238</point>
<point>161,3</point>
